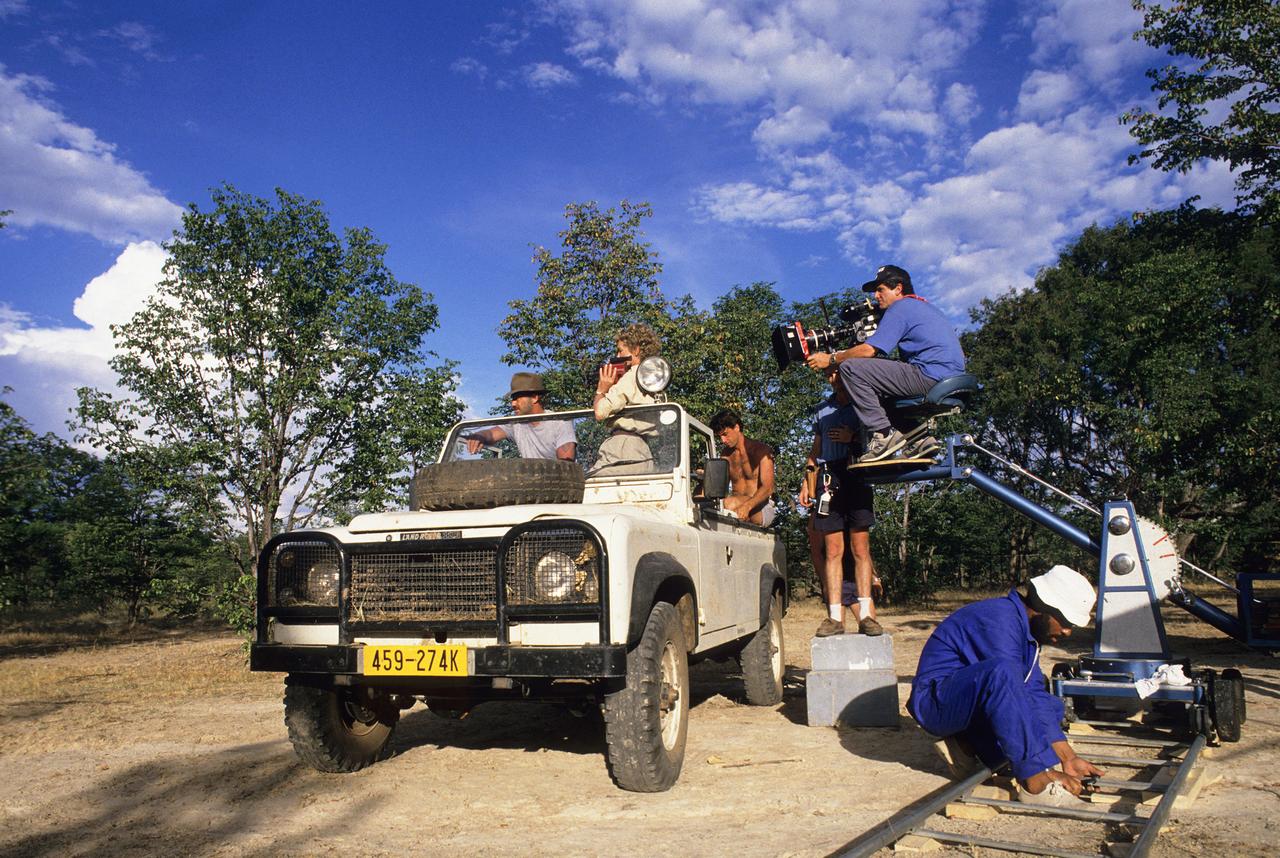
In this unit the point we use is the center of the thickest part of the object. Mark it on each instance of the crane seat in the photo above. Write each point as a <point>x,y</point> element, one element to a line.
<point>915,417</point>
<point>948,396</point>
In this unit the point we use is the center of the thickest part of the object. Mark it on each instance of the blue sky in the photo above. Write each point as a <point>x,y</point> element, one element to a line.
<point>803,142</point>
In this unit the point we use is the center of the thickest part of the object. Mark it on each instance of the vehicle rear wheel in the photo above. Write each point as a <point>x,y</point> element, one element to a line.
<point>647,721</point>
<point>764,660</point>
<point>336,729</point>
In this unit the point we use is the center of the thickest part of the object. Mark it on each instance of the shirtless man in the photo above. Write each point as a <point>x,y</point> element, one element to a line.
<point>750,470</point>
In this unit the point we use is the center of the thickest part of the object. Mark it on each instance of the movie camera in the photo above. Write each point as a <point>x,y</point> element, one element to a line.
<point>791,342</point>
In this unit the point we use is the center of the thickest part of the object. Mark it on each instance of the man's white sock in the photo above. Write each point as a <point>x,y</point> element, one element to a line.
<point>835,612</point>
<point>864,607</point>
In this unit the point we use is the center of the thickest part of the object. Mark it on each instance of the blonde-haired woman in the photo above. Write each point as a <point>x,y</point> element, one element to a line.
<point>625,450</point>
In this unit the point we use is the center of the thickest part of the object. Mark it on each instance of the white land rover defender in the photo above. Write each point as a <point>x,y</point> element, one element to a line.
<point>527,578</point>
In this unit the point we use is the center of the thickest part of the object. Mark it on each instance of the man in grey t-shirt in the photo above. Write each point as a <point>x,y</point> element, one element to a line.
<point>541,439</point>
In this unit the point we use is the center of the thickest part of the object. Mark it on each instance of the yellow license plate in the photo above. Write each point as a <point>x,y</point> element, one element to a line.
<point>430,660</point>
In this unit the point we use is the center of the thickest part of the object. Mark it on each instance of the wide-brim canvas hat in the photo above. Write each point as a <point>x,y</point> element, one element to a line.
<point>1066,590</point>
<point>523,383</point>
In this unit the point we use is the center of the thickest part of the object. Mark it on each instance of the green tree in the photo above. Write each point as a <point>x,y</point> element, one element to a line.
<point>1144,365</point>
<point>278,375</point>
<point>604,278</point>
<point>39,474</point>
<point>4,214</point>
<point>129,543</point>
<point>1235,49</point>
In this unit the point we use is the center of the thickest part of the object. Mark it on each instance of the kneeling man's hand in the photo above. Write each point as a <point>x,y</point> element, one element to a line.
<point>1080,768</point>
<point>1072,784</point>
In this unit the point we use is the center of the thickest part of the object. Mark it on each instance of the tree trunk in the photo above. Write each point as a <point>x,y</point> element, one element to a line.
<point>906,525</point>
<point>1017,551</point>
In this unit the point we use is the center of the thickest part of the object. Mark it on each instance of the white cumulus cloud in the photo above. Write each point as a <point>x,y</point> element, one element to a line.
<point>56,173</point>
<point>1046,94</point>
<point>824,57</point>
<point>1096,35</point>
<point>45,364</point>
<point>744,202</point>
<point>548,75</point>
<point>797,126</point>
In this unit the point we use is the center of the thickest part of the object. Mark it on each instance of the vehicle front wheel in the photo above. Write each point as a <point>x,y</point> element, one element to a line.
<point>763,660</point>
<point>336,729</point>
<point>647,721</point>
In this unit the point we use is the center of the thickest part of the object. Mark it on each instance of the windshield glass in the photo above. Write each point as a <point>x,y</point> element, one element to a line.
<point>639,440</point>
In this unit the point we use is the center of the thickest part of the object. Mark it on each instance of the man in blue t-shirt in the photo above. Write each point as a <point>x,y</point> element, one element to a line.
<point>926,342</point>
<point>845,518</point>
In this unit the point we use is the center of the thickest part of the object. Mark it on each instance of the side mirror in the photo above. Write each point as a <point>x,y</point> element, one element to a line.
<point>715,479</point>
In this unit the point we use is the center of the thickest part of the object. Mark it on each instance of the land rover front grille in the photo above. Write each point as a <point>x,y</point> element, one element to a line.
<point>447,585</point>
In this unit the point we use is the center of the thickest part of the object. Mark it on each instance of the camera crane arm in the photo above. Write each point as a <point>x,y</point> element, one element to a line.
<point>1157,570</point>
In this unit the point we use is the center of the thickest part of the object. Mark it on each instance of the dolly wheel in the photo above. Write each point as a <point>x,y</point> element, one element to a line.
<point>1238,680</point>
<point>1226,705</point>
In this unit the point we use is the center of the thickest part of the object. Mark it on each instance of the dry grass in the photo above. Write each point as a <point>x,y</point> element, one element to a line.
<point>77,681</point>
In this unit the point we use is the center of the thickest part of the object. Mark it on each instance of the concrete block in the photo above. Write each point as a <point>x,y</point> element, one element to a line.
<point>852,652</point>
<point>855,698</point>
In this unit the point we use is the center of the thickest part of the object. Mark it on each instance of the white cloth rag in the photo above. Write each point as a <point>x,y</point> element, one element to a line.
<point>1166,674</point>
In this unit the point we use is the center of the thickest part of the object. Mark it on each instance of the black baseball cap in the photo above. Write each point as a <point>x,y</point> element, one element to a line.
<point>886,273</point>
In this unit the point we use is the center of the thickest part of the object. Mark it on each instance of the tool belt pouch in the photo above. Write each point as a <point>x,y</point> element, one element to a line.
<point>828,484</point>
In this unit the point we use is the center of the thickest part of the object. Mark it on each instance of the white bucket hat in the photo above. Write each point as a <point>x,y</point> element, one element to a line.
<point>1067,590</point>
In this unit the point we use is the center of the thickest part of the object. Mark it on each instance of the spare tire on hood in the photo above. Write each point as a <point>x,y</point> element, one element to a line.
<point>488,483</point>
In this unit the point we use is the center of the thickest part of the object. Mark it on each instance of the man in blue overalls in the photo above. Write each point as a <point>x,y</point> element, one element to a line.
<point>979,680</point>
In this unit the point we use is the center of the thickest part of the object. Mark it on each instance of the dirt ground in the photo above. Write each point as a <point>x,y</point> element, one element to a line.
<point>169,746</point>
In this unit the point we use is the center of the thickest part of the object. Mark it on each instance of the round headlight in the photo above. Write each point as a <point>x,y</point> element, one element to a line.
<point>653,375</point>
<point>322,583</point>
<point>553,577</point>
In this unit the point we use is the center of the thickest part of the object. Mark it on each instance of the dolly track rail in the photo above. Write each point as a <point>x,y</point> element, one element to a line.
<point>913,819</point>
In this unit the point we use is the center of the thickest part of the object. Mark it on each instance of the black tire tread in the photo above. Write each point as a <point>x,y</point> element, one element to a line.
<point>1238,679</point>
<point>319,737</point>
<point>636,757</point>
<point>488,483</point>
<point>763,688</point>
<point>1225,701</point>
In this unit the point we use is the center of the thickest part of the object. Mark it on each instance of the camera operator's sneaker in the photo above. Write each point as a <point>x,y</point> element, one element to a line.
<point>882,445</point>
<point>1054,795</point>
